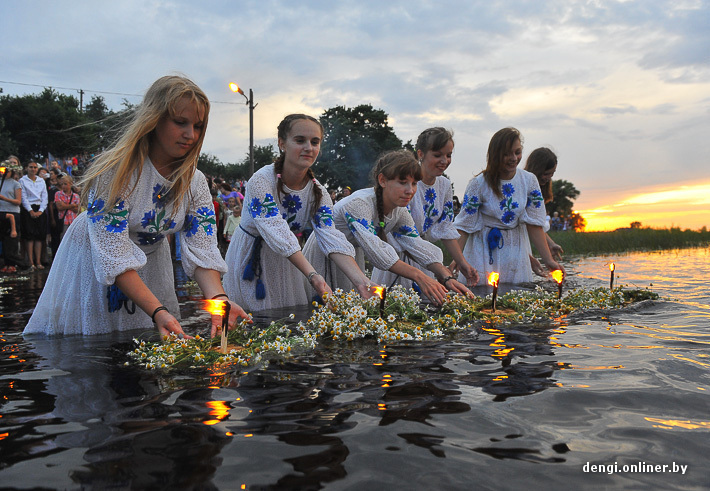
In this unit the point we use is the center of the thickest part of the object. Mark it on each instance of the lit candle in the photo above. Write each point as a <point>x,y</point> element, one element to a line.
<point>558,276</point>
<point>611,280</point>
<point>493,280</point>
<point>381,292</point>
<point>218,307</point>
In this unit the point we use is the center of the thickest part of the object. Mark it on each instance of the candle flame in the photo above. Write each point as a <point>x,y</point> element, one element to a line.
<point>493,279</point>
<point>611,267</point>
<point>215,307</point>
<point>378,290</point>
<point>557,275</point>
<point>2,170</point>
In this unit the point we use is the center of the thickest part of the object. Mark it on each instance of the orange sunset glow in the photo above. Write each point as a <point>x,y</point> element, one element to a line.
<point>684,206</point>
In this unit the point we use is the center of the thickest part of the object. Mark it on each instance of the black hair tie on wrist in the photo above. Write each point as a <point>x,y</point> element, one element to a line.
<point>162,307</point>
<point>220,295</point>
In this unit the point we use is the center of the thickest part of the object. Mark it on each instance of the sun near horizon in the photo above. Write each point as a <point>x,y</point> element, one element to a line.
<point>685,207</point>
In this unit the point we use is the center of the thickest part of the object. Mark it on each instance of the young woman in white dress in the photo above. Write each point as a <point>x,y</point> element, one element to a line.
<point>368,216</point>
<point>113,270</point>
<point>266,266</point>
<point>501,212</point>
<point>432,207</point>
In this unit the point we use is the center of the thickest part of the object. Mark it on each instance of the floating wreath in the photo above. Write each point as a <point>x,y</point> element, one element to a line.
<point>346,317</point>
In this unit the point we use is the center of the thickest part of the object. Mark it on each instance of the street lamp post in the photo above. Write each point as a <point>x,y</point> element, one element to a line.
<point>250,102</point>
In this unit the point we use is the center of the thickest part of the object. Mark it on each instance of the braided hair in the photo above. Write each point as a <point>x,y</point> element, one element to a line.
<point>283,130</point>
<point>397,164</point>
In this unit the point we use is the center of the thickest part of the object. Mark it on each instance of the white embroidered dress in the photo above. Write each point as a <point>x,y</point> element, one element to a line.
<point>269,223</point>
<point>432,209</point>
<point>80,297</point>
<point>356,216</point>
<point>498,236</point>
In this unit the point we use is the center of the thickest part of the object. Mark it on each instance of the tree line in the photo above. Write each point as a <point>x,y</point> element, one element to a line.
<point>35,125</point>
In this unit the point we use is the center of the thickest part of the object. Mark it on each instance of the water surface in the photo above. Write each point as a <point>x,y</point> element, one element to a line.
<point>493,408</point>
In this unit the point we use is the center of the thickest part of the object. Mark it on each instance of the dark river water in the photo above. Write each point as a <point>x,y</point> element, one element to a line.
<point>598,401</point>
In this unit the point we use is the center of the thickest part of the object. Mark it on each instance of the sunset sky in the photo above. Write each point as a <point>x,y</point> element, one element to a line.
<point>619,89</point>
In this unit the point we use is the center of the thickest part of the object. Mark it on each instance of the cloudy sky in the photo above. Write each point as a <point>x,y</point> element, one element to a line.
<point>619,89</point>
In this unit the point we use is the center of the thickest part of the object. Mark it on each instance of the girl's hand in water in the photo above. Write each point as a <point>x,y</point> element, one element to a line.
<point>167,323</point>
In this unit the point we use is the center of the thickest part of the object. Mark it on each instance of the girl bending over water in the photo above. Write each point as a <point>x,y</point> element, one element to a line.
<point>113,269</point>
<point>368,215</point>
<point>266,266</point>
<point>502,210</point>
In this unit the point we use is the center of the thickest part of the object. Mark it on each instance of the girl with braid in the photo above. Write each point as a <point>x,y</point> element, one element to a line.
<point>266,266</point>
<point>367,216</point>
<point>432,206</point>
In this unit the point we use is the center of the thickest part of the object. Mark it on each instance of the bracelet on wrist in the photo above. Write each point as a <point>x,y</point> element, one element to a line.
<point>311,275</point>
<point>443,282</point>
<point>220,295</point>
<point>162,307</point>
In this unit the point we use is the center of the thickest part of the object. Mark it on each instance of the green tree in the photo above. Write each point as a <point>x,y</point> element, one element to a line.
<point>563,195</point>
<point>263,156</point>
<point>43,123</point>
<point>635,225</point>
<point>353,139</point>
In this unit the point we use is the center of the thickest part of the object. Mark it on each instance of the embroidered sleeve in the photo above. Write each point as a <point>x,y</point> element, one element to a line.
<point>199,232</point>
<point>358,214</point>
<point>443,227</point>
<point>405,233</point>
<point>330,239</point>
<point>534,213</point>
<point>469,218</point>
<point>264,215</point>
<point>112,250</point>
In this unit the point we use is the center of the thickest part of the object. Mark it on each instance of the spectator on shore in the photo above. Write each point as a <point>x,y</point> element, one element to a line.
<point>66,202</point>
<point>54,228</point>
<point>233,220</point>
<point>10,201</point>
<point>32,215</point>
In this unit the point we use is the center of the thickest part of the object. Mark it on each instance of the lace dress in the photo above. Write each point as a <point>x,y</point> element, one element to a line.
<point>80,297</point>
<point>498,236</point>
<point>356,216</point>
<point>432,209</point>
<point>260,274</point>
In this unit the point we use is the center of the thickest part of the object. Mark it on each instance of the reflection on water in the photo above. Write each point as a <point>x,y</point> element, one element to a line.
<point>601,387</point>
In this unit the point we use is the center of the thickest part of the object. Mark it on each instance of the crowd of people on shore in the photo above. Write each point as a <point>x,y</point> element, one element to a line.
<point>281,239</point>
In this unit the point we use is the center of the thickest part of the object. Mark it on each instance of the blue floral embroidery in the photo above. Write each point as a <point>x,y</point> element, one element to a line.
<point>362,221</point>
<point>535,198</point>
<point>160,196</point>
<point>267,208</point>
<point>324,217</point>
<point>292,204</point>
<point>116,219</point>
<point>448,213</point>
<point>507,205</point>
<point>430,213</point>
<point>203,217</point>
<point>470,204</point>
<point>405,231</point>
<point>156,224</point>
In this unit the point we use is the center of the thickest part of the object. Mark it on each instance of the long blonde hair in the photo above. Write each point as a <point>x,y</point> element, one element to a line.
<point>131,149</point>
